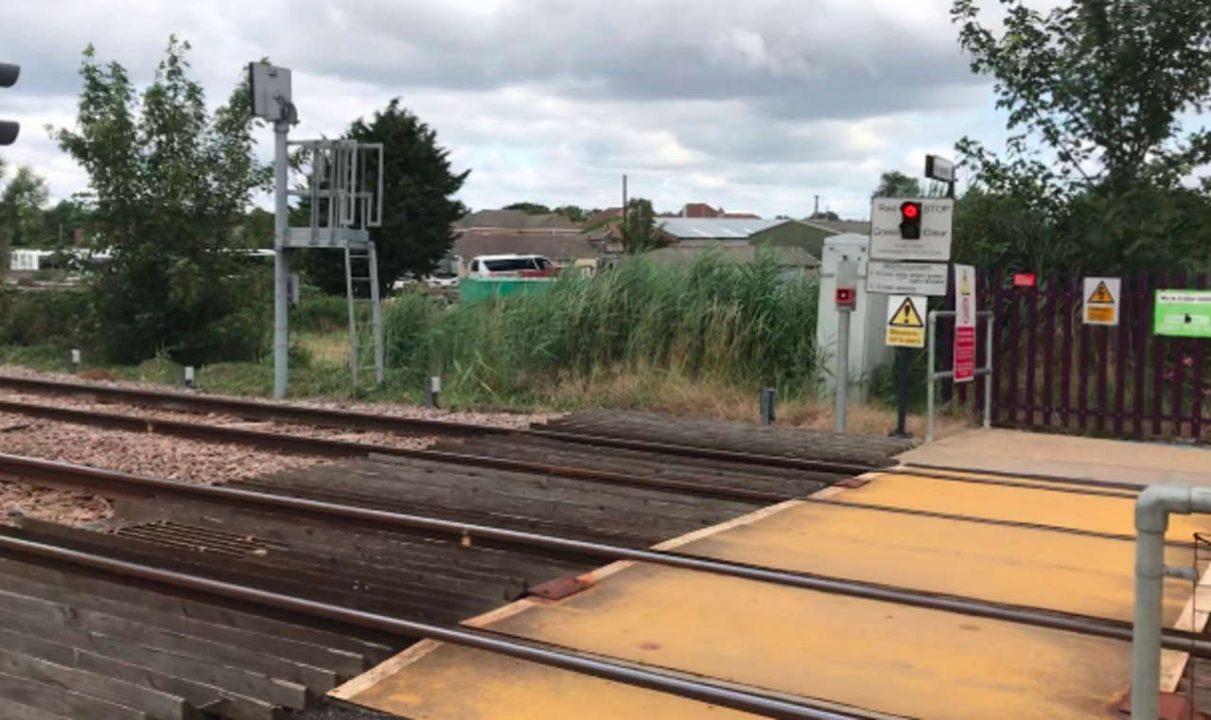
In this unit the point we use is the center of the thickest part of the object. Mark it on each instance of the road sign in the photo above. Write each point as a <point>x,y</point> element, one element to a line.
<point>938,168</point>
<point>898,233</point>
<point>893,278</point>
<point>1183,313</point>
<point>1101,300</point>
<point>965,323</point>
<point>906,321</point>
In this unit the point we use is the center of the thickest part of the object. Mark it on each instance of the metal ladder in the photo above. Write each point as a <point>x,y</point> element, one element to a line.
<point>361,289</point>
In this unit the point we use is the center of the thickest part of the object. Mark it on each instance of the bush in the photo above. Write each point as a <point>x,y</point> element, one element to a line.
<point>739,324</point>
<point>61,318</point>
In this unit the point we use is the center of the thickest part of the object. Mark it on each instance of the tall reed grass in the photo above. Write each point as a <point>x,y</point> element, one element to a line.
<point>739,325</point>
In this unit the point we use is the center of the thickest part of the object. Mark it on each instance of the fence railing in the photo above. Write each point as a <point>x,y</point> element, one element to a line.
<point>1051,371</point>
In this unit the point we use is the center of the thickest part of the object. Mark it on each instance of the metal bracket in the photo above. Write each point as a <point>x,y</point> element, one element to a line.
<point>560,588</point>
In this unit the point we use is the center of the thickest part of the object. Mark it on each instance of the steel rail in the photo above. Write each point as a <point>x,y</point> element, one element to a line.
<point>531,651</point>
<point>123,484</point>
<point>326,417</point>
<point>330,447</point>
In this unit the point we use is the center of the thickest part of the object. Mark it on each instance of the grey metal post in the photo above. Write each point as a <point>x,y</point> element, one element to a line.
<point>376,317</point>
<point>929,375</point>
<point>281,268</point>
<point>842,370</point>
<point>767,406</point>
<point>988,377</point>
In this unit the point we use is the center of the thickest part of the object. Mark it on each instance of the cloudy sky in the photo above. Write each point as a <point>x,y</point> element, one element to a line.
<point>754,105</point>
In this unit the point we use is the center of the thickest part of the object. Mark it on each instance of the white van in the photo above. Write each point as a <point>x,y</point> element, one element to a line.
<point>511,266</point>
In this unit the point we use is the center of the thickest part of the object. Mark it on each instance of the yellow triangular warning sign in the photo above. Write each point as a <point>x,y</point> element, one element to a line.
<point>906,316</point>
<point>964,286</point>
<point>1101,295</point>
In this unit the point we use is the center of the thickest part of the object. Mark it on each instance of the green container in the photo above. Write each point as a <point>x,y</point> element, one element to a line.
<point>472,290</point>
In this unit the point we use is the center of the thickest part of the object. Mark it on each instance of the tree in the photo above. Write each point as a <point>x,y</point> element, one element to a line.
<point>1095,92</point>
<point>418,207</point>
<point>894,183</point>
<point>639,228</point>
<point>575,213</point>
<point>21,210</point>
<point>529,208</point>
<point>824,215</point>
<point>168,186</point>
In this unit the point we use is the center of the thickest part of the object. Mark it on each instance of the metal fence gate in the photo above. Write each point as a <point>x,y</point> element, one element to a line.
<point>1053,372</point>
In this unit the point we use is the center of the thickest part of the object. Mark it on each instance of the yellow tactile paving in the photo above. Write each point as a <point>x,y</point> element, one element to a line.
<point>1038,505</point>
<point>887,658</point>
<point>1084,575</point>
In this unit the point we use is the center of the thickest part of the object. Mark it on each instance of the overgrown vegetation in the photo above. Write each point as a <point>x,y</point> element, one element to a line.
<point>168,186</point>
<point>738,325</point>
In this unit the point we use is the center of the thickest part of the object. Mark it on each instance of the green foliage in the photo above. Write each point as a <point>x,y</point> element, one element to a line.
<point>529,208</point>
<point>21,215</point>
<point>321,314</point>
<point>169,183</point>
<point>743,324</point>
<point>639,228</point>
<point>62,319</point>
<point>418,207</point>
<point>1095,92</point>
<point>896,184</point>
<point>575,213</point>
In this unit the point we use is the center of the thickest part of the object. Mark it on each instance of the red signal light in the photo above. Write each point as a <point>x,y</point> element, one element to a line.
<point>910,220</point>
<point>911,210</point>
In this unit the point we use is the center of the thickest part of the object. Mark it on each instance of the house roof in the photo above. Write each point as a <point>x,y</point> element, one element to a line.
<point>734,254</point>
<point>859,227</point>
<point>716,228</point>
<point>514,220</point>
<point>556,245</point>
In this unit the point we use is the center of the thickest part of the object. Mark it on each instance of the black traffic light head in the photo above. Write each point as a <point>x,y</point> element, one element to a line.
<point>8,78</point>
<point>910,220</point>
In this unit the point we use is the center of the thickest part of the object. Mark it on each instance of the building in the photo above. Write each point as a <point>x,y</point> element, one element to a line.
<point>702,211</point>
<point>794,261</point>
<point>495,220</point>
<point>722,231</point>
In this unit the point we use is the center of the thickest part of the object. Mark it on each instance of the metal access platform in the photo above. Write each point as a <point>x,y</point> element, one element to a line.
<point>986,596</point>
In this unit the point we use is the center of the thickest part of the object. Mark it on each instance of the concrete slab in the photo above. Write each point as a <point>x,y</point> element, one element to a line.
<point>1014,451</point>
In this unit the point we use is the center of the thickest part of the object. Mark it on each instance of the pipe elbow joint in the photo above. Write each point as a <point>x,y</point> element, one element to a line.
<point>1156,502</point>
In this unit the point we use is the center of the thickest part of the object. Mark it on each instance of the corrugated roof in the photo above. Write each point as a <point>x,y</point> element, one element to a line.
<point>860,227</point>
<point>718,228</point>
<point>514,220</point>
<point>734,254</point>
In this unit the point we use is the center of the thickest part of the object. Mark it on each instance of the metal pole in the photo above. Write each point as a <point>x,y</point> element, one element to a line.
<point>933,327</point>
<point>842,370</point>
<point>281,268</point>
<point>901,393</point>
<point>767,406</point>
<point>988,375</point>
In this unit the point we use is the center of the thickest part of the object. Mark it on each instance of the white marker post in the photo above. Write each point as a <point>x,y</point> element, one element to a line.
<point>847,302</point>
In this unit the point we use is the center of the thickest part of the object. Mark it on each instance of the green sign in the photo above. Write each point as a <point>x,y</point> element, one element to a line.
<point>1183,313</point>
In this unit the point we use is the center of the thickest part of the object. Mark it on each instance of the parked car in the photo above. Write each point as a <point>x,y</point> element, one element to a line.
<point>511,266</point>
<point>442,280</point>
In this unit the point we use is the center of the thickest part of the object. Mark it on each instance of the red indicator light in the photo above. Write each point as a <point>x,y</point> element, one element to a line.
<point>911,210</point>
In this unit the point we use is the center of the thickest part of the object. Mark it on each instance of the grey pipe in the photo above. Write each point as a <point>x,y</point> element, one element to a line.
<point>1152,511</point>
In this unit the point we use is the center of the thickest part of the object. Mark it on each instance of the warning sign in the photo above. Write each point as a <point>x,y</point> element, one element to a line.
<point>1101,306</point>
<point>965,324</point>
<point>906,321</point>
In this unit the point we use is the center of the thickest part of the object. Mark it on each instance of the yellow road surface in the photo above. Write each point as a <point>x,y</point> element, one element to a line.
<point>882,657</point>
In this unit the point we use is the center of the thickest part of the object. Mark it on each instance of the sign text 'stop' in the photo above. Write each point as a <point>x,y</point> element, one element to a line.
<point>929,235</point>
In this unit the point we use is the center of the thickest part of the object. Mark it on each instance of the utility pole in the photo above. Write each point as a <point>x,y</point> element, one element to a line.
<point>816,212</point>
<point>624,200</point>
<point>281,266</point>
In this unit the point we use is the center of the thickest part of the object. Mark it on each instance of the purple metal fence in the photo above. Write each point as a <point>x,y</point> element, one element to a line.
<point>1053,372</point>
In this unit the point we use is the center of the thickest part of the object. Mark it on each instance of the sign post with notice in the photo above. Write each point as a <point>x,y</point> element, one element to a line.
<point>906,321</point>
<point>1183,313</point>
<point>1101,300</point>
<point>965,324</point>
